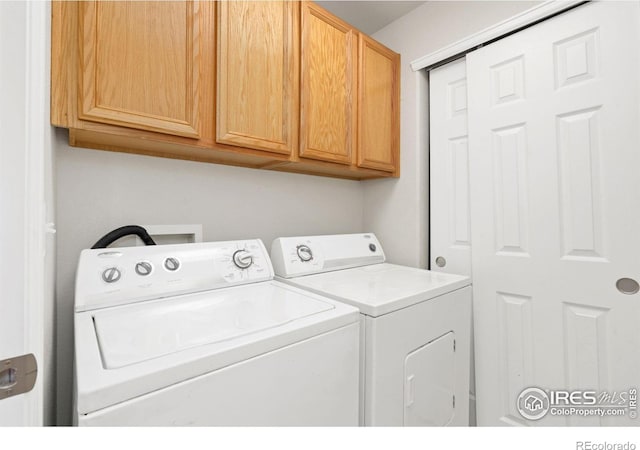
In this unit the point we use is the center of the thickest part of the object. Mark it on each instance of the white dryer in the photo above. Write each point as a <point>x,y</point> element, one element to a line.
<point>415,326</point>
<point>200,334</point>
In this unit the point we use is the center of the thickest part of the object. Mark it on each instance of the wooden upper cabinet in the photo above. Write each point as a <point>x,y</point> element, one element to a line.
<point>258,74</point>
<point>139,65</point>
<point>379,113</point>
<point>280,85</point>
<point>328,101</point>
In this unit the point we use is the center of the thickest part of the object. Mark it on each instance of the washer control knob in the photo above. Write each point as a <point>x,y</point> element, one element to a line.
<point>242,259</point>
<point>171,264</point>
<point>304,253</point>
<point>144,268</point>
<point>111,275</point>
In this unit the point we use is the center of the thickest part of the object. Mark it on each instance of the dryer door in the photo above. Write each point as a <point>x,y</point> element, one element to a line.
<point>429,384</point>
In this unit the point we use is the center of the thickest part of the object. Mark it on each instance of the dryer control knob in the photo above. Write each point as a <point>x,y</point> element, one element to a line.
<point>304,253</point>
<point>242,259</point>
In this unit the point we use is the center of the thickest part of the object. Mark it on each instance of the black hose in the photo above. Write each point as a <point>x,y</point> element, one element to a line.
<point>116,234</point>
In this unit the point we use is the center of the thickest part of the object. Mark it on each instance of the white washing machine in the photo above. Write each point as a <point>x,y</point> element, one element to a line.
<point>415,326</point>
<point>201,334</point>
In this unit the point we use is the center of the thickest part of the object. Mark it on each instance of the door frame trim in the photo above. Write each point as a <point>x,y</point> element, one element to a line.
<point>37,144</point>
<point>516,23</point>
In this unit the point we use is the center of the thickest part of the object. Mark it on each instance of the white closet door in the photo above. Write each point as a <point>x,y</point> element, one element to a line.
<point>450,226</point>
<point>555,209</point>
<point>449,173</point>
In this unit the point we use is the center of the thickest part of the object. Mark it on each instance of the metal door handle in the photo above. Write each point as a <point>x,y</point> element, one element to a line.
<point>17,375</point>
<point>628,286</point>
<point>440,261</point>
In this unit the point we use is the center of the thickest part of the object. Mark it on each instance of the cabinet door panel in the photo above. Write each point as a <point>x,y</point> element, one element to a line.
<point>328,119</point>
<point>258,79</point>
<point>139,65</point>
<point>379,119</point>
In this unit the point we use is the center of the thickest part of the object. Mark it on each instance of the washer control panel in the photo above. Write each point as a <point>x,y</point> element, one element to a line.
<point>108,277</point>
<point>305,255</point>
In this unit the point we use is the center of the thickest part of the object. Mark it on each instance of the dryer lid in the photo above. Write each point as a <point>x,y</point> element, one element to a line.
<point>134,333</point>
<point>381,288</point>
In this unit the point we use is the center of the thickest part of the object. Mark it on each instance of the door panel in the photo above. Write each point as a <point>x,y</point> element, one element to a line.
<point>258,75</point>
<point>429,374</point>
<point>449,170</point>
<point>379,114</point>
<point>328,102</point>
<point>449,218</point>
<point>140,65</point>
<point>553,133</point>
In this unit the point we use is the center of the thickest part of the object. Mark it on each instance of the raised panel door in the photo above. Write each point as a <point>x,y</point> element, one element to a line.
<point>139,65</point>
<point>328,102</point>
<point>258,74</point>
<point>553,162</point>
<point>378,106</point>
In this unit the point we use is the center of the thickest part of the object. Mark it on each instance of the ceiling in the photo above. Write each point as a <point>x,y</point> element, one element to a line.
<point>369,16</point>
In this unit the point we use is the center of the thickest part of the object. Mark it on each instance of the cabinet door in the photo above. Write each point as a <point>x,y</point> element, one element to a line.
<point>328,106</point>
<point>379,113</point>
<point>139,65</point>
<point>258,74</point>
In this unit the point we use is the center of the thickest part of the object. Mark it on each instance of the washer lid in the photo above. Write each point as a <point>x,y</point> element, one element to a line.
<point>381,288</point>
<point>139,332</point>
<point>269,316</point>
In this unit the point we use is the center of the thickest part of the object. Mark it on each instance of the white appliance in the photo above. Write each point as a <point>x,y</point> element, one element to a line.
<point>415,326</point>
<point>201,334</point>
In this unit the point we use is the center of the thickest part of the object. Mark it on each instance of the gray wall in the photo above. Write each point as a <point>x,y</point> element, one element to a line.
<point>397,211</point>
<point>98,191</point>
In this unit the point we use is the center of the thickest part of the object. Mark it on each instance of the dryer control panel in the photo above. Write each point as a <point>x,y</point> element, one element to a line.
<point>306,255</point>
<point>109,277</point>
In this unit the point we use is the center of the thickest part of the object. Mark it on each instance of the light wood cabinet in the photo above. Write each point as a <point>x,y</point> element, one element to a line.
<point>379,106</point>
<point>140,65</point>
<point>127,135</point>
<point>328,101</point>
<point>278,85</point>
<point>258,74</point>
